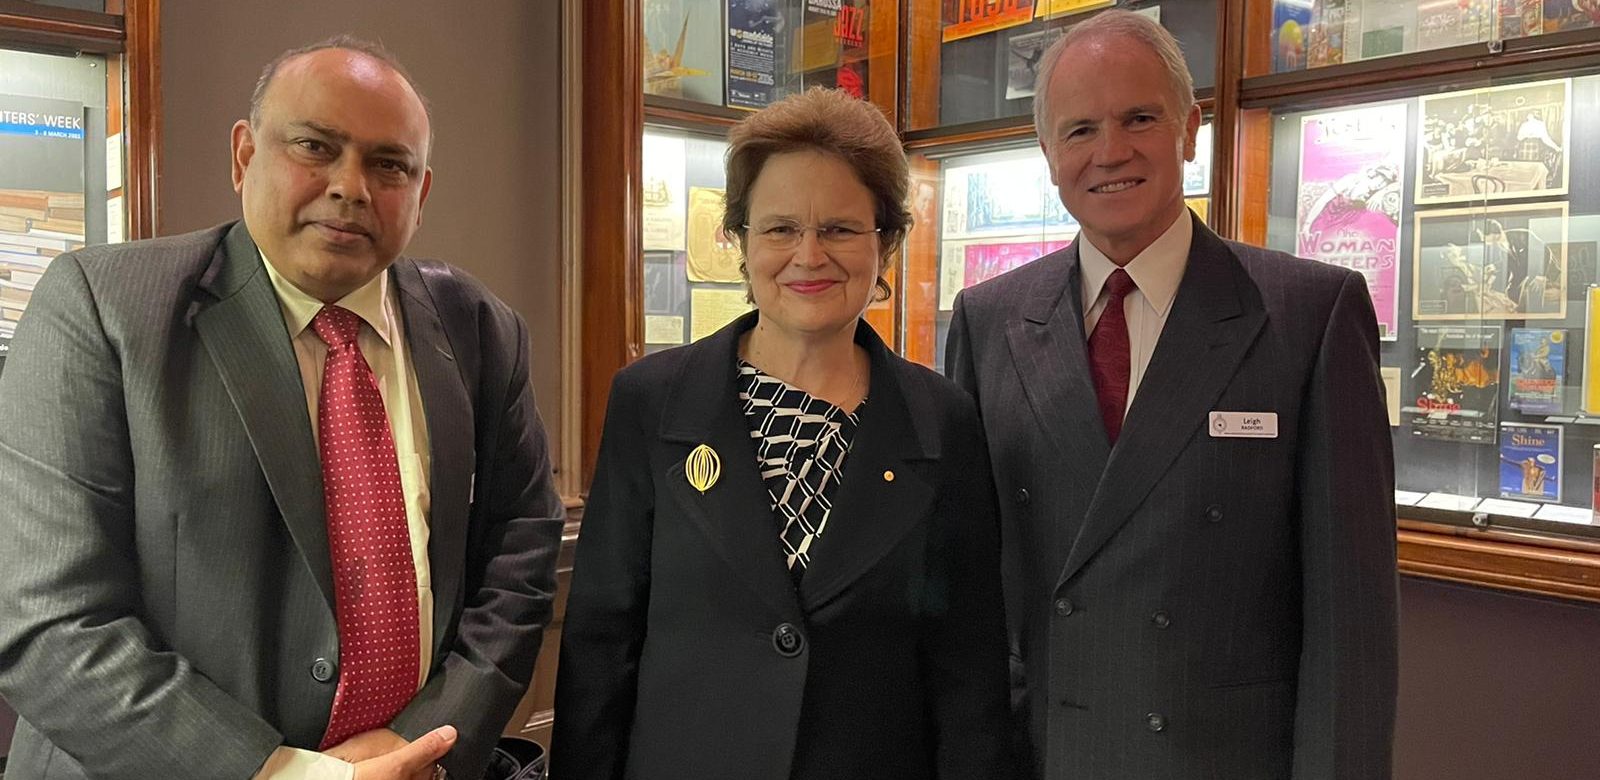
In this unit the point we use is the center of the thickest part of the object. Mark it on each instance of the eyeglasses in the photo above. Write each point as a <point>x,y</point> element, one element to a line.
<point>786,235</point>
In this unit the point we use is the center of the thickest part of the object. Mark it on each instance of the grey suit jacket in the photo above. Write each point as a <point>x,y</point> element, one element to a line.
<point>1183,605</point>
<point>167,607</point>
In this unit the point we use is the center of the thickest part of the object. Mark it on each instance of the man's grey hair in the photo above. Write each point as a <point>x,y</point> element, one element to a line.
<point>341,41</point>
<point>1112,24</point>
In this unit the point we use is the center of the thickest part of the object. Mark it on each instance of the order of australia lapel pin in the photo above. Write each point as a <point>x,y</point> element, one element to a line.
<point>702,468</point>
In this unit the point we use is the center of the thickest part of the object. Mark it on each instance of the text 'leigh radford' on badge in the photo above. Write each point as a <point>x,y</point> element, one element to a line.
<point>1244,425</point>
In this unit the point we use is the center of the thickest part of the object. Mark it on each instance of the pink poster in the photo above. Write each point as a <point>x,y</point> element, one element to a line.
<point>986,261</point>
<point>1351,165</point>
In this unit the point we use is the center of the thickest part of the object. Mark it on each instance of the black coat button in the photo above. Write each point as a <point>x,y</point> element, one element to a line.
<point>787,640</point>
<point>323,670</point>
<point>1214,513</point>
<point>1161,619</point>
<point>1155,721</point>
<point>1064,607</point>
<point>1022,496</point>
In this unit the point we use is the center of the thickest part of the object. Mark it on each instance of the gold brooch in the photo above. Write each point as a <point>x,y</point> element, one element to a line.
<point>702,468</point>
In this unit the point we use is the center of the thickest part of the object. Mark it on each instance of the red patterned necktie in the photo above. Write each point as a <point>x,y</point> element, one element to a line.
<point>375,583</point>
<point>1108,353</point>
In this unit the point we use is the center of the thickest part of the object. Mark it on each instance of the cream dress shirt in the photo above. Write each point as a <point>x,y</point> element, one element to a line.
<point>1156,271</point>
<point>383,344</point>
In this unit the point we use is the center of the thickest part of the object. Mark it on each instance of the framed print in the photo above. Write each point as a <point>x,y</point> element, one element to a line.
<point>1010,196</point>
<point>1351,186</point>
<point>713,255</point>
<point>1022,59</point>
<point>1494,143</point>
<point>683,49</point>
<point>664,205</point>
<point>1492,262</point>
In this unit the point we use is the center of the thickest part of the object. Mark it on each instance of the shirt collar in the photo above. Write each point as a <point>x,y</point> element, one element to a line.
<point>1157,270</point>
<point>369,302</point>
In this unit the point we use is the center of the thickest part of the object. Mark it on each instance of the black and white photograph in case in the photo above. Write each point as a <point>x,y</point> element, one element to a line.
<point>1494,143</point>
<point>1491,262</point>
<point>1022,63</point>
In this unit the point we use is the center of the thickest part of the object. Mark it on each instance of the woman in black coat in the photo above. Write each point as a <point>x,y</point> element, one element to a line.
<point>789,565</point>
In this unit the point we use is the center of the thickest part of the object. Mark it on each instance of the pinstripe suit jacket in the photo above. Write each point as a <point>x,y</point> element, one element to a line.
<point>167,585</point>
<point>1182,605</point>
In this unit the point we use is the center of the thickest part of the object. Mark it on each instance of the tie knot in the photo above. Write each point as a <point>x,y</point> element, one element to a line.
<point>1119,284</point>
<point>336,326</point>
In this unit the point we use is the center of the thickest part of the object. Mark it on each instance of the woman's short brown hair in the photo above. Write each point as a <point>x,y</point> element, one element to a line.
<point>832,122</point>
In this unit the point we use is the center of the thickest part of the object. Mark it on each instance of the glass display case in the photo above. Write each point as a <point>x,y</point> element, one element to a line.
<point>983,213</point>
<point>744,54</point>
<point>1439,147</point>
<point>1471,215</point>
<point>977,61</point>
<point>1320,33</point>
<point>63,146</point>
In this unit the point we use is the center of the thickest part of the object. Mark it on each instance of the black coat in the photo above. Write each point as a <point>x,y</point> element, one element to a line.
<point>688,652</point>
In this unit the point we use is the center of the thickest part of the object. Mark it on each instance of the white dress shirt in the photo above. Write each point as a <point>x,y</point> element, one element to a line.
<point>383,344</point>
<point>1156,272</point>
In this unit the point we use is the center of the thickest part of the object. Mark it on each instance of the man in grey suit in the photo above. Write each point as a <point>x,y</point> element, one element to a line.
<point>1191,447</point>
<point>277,499</point>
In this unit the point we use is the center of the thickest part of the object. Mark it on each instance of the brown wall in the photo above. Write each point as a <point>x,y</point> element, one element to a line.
<point>491,69</point>
<point>1496,686</point>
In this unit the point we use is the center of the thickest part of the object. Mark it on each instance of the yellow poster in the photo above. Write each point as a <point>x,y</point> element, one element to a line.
<point>1201,207</point>
<point>712,256</point>
<point>709,310</point>
<point>1591,357</point>
<point>1050,9</point>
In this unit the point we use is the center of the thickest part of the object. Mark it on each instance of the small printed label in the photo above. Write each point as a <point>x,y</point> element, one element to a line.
<point>1244,425</point>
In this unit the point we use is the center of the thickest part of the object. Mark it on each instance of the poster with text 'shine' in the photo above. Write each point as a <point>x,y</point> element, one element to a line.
<point>1351,187</point>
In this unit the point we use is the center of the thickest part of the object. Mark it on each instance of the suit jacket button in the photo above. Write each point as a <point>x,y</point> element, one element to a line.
<point>1064,607</point>
<point>322,670</point>
<point>787,640</point>
<point>1155,721</point>
<point>1214,513</point>
<point>1161,619</point>
<point>1022,496</point>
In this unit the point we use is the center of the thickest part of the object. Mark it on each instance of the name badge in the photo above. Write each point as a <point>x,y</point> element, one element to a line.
<point>1244,425</point>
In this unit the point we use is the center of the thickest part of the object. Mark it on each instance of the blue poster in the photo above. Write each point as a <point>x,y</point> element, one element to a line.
<point>1538,369</point>
<point>1530,462</point>
<point>1291,26</point>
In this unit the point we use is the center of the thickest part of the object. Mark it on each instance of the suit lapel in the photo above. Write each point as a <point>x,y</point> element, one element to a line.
<point>735,513</point>
<point>1050,355</point>
<point>447,407</point>
<point>1214,320</point>
<point>873,511</point>
<point>244,334</point>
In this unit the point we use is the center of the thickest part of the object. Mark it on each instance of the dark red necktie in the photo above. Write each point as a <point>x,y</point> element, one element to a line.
<point>1108,353</point>
<point>375,583</point>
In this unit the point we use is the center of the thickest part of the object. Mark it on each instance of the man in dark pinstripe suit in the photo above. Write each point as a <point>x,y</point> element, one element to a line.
<point>1191,447</point>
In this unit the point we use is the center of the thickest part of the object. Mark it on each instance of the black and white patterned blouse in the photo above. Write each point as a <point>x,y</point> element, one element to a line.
<point>801,444</point>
